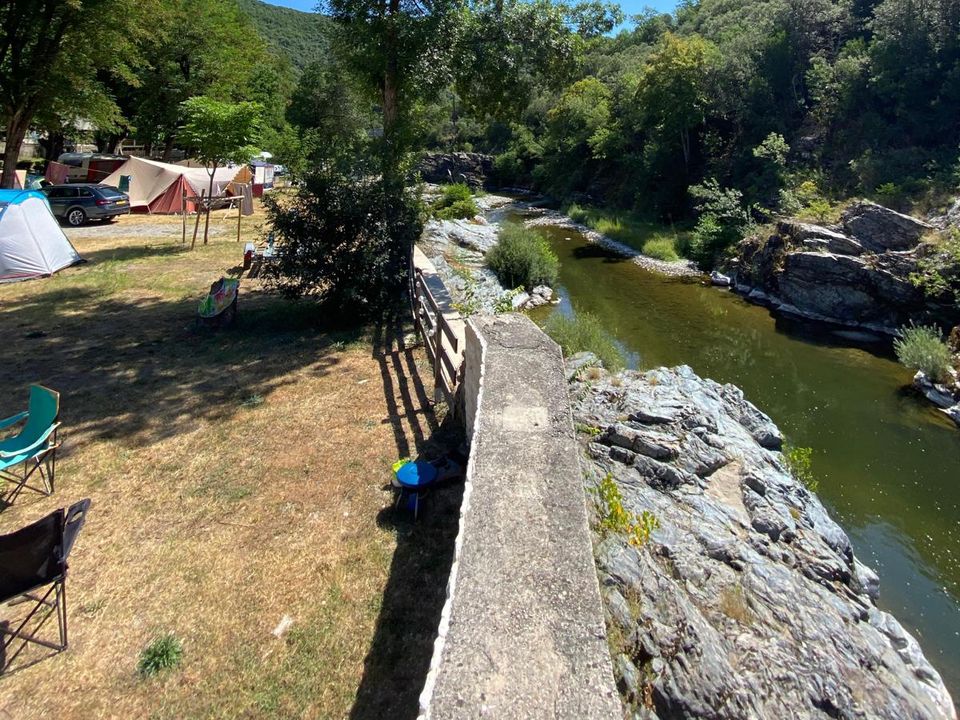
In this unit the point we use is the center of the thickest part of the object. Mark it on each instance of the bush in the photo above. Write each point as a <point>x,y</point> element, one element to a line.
<point>661,249</point>
<point>577,214</point>
<point>585,333</point>
<point>455,202</point>
<point>522,257</point>
<point>723,221</point>
<point>345,242</point>
<point>164,653</point>
<point>919,347</point>
<point>461,209</point>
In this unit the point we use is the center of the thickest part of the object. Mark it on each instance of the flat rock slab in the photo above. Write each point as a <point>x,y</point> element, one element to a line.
<point>526,636</point>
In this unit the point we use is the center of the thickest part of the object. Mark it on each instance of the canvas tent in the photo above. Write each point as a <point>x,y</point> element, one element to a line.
<point>31,241</point>
<point>158,187</point>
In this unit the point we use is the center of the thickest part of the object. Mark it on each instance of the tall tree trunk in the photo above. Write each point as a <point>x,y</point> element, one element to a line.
<point>167,148</point>
<point>206,222</point>
<point>17,124</point>
<point>391,101</point>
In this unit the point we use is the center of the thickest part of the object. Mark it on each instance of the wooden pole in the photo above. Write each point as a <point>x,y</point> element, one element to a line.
<point>183,214</point>
<point>239,214</point>
<point>196,225</point>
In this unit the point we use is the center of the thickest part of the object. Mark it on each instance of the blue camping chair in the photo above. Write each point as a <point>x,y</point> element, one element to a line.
<point>34,448</point>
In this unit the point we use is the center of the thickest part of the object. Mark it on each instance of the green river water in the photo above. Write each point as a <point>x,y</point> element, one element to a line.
<point>887,462</point>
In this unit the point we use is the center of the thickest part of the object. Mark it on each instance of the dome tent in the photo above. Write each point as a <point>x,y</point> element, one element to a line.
<point>31,241</point>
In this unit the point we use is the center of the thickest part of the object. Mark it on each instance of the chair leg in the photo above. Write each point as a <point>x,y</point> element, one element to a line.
<point>58,606</point>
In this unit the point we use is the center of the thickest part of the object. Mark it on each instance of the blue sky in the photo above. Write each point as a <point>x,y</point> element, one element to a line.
<point>630,7</point>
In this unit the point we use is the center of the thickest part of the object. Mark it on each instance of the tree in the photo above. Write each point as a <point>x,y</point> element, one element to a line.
<point>400,50</point>
<point>219,133</point>
<point>50,49</point>
<point>207,48</point>
<point>674,90</point>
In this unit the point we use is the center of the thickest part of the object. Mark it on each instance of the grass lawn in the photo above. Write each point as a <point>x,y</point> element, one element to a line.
<point>237,477</point>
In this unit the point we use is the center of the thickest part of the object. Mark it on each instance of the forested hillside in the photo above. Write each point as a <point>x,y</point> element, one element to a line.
<point>294,33</point>
<point>752,108</point>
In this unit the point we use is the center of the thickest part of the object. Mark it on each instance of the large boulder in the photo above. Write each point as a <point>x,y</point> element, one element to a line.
<point>747,601</point>
<point>474,169</point>
<point>879,228</point>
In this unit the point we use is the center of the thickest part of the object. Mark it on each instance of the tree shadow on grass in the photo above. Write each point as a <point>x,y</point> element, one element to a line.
<point>141,370</point>
<point>399,658</point>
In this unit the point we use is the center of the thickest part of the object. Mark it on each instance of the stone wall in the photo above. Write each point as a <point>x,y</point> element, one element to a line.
<point>522,634</point>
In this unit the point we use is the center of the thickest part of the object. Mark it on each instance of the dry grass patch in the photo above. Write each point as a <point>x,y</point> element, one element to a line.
<point>237,478</point>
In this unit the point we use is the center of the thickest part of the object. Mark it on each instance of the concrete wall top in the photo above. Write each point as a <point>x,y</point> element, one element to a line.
<point>523,633</point>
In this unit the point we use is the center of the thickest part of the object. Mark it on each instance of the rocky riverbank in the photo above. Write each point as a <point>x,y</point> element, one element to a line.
<point>747,602</point>
<point>857,273</point>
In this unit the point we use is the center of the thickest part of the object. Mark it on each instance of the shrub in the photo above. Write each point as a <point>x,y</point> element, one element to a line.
<point>522,257</point>
<point>164,653</point>
<point>345,242</point>
<point>661,249</point>
<point>584,333</point>
<point>577,214</point>
<point>612,516</point>
<point>455,202</point>
<point>723,220</point>
<point>919,347</point>
<point>461,209</point>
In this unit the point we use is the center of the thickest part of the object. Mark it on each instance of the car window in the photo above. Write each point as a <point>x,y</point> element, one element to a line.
<point>61,192</point>
<point>85,192</point>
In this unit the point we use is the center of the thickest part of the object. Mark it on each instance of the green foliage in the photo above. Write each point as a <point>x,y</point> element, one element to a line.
<point>613,517</point>
<point>165,652</point>
<point>661,249</point>
<point>938,272</point>
<point>299,36</point>
<point>919,347</point>
<point>577,214</point>
<point>799,461</point>
<point>454,203</point>
<point>344,241</point>
<point>723,221</point>
<point>522,257</point>
<point>585,333</point>
<point>221,132</point>
<point>505,302</point>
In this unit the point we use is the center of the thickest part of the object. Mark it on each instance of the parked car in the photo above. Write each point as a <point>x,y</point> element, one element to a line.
<point>78,202</point>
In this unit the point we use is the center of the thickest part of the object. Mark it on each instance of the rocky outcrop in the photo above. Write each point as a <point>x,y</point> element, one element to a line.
<point>747,601</point>
<point>879,228</point>
<point>858,273</point>
<point>474,169</point>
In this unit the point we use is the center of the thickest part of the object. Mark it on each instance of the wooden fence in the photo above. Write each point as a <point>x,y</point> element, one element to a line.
<point>440,340</point>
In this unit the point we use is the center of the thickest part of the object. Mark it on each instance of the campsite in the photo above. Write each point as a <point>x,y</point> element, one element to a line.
<point>173,432</point>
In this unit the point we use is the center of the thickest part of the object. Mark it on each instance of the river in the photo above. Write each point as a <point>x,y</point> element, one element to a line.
<point>887,462</point>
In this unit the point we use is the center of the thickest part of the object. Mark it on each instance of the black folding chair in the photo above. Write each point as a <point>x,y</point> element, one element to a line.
<point>33,569</point>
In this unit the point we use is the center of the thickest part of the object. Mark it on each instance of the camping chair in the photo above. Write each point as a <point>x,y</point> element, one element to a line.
<point>31,559</point>
<point>35,446</point>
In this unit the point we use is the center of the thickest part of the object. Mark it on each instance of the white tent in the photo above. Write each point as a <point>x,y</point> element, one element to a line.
<point>158,187</point>
<point>31,241</point>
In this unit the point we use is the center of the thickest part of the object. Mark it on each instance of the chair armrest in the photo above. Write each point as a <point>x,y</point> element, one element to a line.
<point>36,445</point>
<point>74,519</point>
<point>14,419</point>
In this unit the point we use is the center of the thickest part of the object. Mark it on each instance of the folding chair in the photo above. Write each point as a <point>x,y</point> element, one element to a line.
<point>35,446</point>
<point>33,567</point>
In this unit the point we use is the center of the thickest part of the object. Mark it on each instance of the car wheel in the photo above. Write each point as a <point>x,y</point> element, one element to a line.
<point>76,217</point>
